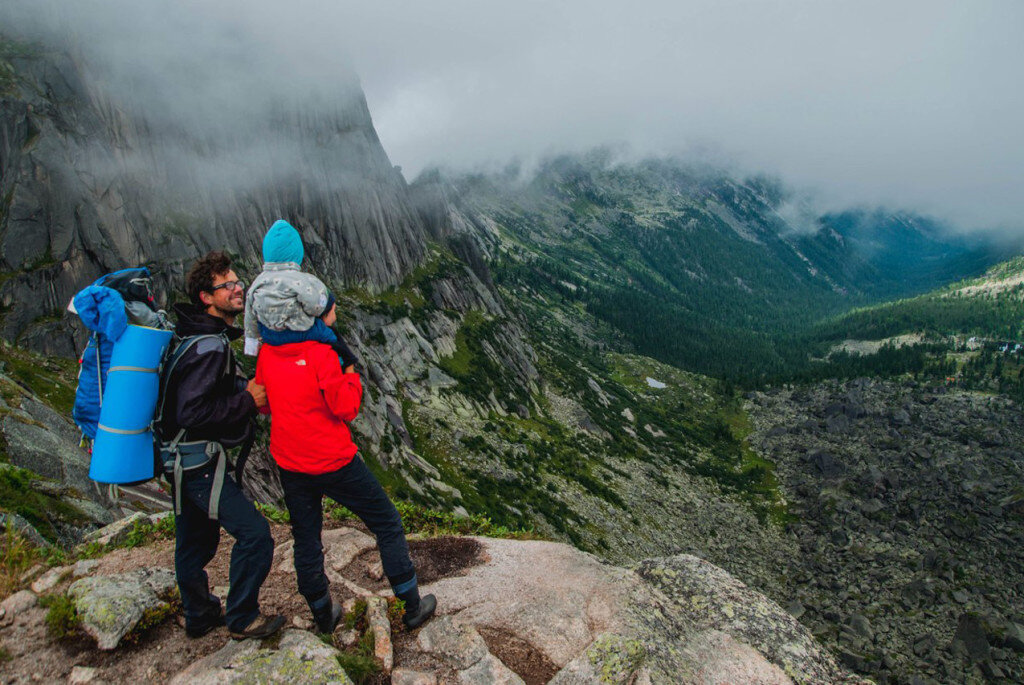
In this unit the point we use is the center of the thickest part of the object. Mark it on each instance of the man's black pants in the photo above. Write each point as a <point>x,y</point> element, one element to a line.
<point>355,488</point>
<point>197,538</point>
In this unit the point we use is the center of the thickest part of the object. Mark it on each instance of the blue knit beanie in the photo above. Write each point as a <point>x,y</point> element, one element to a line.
<point>283,244</point>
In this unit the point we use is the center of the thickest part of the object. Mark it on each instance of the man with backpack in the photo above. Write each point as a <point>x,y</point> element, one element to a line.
<point>208,407</point>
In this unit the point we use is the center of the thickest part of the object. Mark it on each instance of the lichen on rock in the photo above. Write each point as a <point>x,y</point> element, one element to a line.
<point>299,657</point>
<point>110,607</point>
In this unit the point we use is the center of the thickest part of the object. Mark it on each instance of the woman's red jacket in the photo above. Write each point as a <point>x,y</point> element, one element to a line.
<point>310,401</point>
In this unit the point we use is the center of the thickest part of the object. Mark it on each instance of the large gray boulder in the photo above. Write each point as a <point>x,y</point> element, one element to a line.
<point>109,607</point>
<point>299,657</point>
<point>707,602</point>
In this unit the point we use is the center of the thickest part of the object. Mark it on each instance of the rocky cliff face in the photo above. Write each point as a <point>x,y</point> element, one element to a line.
<point>90,185</point>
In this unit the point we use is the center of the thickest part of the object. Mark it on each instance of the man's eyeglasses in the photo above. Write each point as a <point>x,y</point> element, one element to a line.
<point>229,285</point>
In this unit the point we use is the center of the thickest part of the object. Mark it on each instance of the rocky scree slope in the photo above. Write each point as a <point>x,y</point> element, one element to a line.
<point>907,507</point>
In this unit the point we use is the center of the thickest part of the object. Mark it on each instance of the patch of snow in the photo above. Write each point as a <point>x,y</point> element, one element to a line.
<point>656,384</point>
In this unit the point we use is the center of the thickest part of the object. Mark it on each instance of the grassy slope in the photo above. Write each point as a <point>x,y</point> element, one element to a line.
<point>989,308</point>
<point>991,305</point>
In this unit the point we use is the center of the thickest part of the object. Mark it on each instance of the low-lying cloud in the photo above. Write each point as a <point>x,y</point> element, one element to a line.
<point>915,104</point>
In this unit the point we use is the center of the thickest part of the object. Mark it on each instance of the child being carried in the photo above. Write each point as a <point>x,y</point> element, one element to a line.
<point>285,304</point>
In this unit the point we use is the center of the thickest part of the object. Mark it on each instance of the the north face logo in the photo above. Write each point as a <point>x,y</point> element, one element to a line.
<point>301,362</point>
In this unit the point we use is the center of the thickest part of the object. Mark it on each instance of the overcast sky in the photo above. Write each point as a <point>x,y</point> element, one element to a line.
<point>911,104</point>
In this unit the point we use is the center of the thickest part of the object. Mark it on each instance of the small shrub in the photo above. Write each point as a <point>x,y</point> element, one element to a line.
<point>396,609</point>
<point>145,532</point>
<point>274,514</point>
<point>432,523</point>
<point>5,655</point>
<point>359,662</point>
<point>90,550</point>
<point>359,667</point>
<point>337,512</point>
<point>165,527</point>
<point>354,617</point>
<point>55,556</point>
<point>62,620</point>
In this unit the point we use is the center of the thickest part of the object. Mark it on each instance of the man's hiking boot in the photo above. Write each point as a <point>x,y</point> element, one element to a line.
<point>327,618</point>
<point>200,628</point>
<point>261,627</point>
<point>423,612</point>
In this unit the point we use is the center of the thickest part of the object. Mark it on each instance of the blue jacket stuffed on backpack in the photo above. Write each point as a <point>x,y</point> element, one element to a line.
<point>102,311</point>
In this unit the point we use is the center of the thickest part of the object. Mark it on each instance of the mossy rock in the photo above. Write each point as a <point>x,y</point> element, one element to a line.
<point>298,657</point>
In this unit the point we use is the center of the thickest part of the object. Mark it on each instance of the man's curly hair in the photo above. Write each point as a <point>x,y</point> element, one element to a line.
<point>200,276</point>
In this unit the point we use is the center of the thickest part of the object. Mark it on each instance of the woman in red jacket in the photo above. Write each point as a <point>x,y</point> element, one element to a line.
<point>311,399</point>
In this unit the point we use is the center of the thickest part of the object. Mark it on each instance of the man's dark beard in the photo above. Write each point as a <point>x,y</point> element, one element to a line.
<point>230,313</point>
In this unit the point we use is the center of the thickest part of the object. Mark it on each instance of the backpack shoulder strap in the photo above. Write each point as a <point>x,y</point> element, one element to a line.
<point>171,363</point>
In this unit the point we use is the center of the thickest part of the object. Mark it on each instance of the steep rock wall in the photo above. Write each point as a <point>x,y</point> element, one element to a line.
<point>87,187</point>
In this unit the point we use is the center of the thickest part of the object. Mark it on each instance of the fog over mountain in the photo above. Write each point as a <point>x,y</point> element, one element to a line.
<point>912,105</point>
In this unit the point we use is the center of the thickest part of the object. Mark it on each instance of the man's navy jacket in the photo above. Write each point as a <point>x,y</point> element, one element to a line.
<point>205,395</point>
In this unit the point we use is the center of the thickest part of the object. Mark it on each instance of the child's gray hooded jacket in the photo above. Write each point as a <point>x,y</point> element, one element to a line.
<point>283,297</point>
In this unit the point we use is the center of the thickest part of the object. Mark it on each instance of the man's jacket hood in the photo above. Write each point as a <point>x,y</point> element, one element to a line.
<point>193,320</point>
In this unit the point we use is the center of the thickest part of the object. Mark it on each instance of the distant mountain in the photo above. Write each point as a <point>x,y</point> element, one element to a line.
<point>699,269</point>
<point>895,254</point>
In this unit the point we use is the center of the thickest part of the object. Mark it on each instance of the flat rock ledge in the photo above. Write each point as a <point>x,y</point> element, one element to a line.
<point>299,657</point>
<point>671,620</point>
<point>109,607</point>
<point>531,611</point>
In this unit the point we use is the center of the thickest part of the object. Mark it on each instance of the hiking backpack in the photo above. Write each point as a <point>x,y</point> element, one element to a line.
<point>106,308</point>
<point>175,455</point>
<point>116,307</point>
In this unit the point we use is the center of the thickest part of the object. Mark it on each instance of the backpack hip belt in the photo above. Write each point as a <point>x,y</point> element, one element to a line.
<point>179,457</point>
